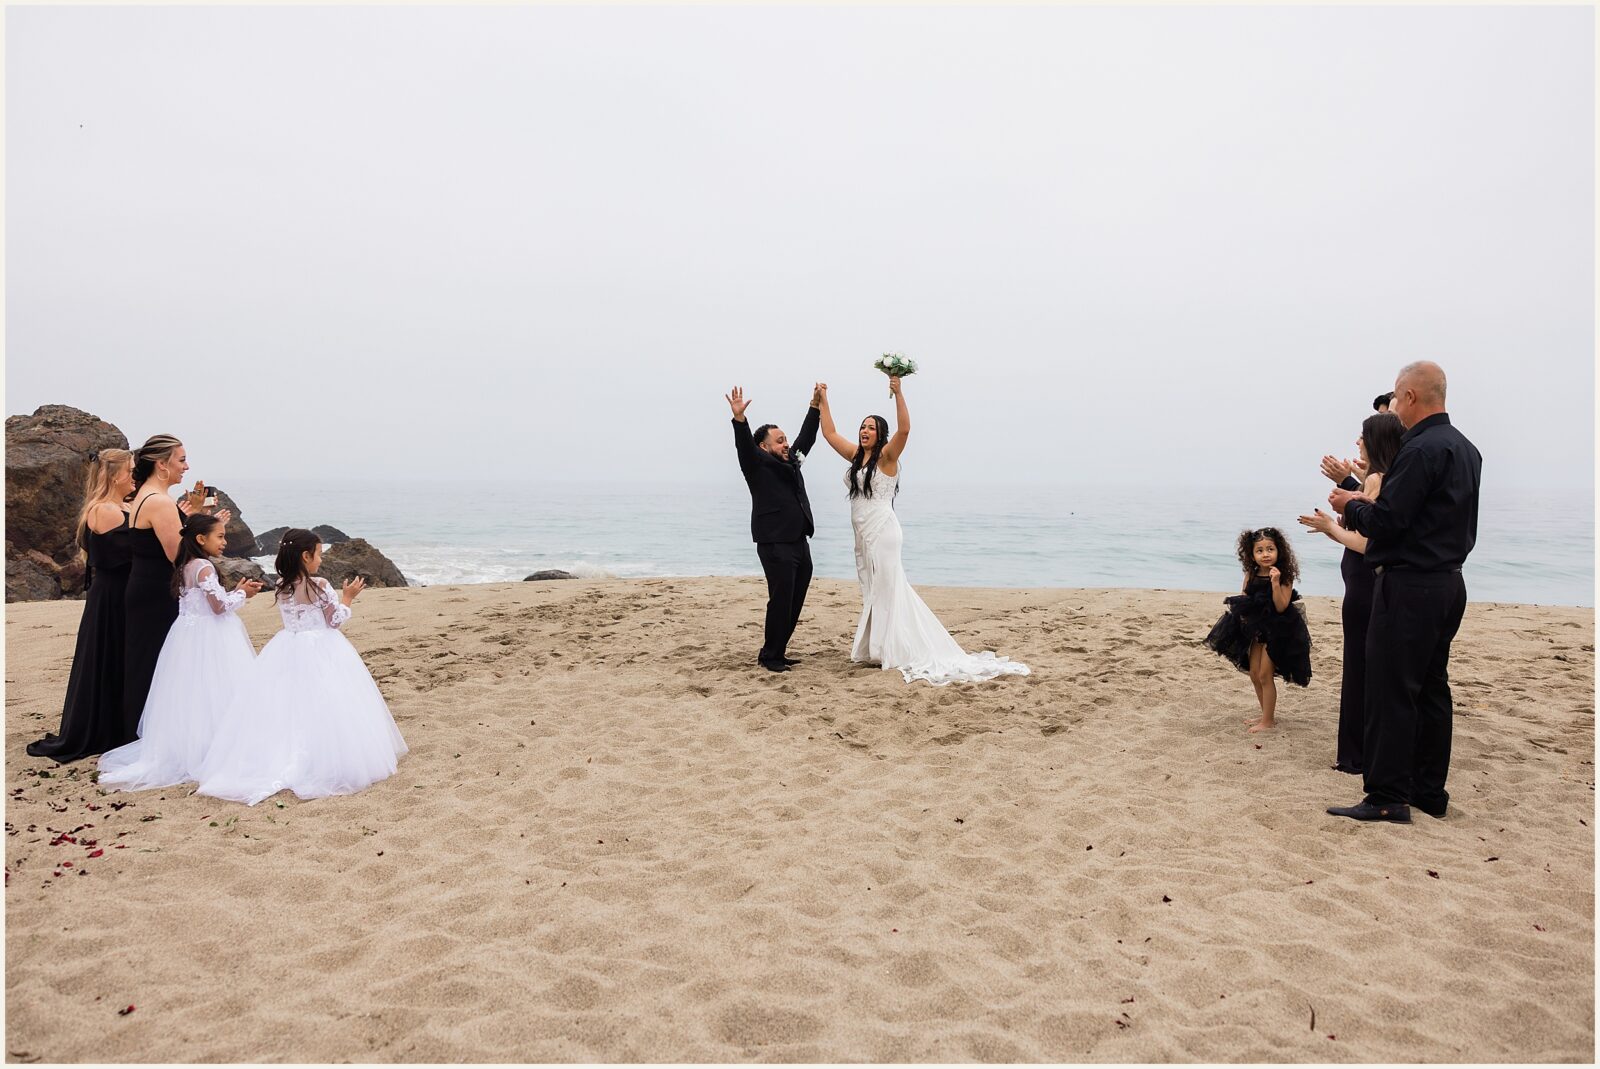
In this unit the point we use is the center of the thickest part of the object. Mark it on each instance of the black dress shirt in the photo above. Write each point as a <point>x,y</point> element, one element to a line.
<point>1426,515</point>
<point>779,508</point>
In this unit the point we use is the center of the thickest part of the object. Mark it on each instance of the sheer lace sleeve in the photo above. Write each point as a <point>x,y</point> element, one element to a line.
<point>334,611</point>
<point>204,576</point>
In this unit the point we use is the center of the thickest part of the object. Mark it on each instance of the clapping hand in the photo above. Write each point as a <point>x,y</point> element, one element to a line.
<point>197,496</point>
<point>352,587</point>
<point>224,515</point>
<point>1318,521</point>
<point>1335,469</point>
<point>736,401</point>
<point>251,587</point>
<point>1340,498</point>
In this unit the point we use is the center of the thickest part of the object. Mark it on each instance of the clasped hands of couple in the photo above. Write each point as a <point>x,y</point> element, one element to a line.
<point>819,397</point>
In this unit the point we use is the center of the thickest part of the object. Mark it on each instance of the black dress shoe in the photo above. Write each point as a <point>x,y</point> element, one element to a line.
<point>774,666</point>
<point>1348,770</point>
<point>1437,813</point>
<point>791,661</point>
<point>1395,813</point>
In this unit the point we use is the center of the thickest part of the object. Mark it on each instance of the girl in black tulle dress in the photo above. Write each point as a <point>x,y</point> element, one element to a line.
<point>1264,631</point>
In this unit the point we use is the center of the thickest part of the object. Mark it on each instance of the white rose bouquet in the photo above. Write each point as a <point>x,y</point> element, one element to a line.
<point>895,365</point>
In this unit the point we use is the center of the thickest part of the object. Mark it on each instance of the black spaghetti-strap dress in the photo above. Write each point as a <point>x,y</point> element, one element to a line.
<point>150,610</point>
<point>91,715</point>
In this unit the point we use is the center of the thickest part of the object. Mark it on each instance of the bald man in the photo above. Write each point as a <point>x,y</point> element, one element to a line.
<point>1419,532</point>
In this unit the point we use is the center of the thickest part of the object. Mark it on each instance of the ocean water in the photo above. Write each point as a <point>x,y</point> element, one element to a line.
<point>1533,546</point>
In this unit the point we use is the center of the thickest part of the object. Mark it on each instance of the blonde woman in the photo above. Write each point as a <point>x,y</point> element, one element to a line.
<point>91,716</point>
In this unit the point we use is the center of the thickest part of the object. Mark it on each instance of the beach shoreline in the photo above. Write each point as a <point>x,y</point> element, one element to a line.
<point>615,838</point>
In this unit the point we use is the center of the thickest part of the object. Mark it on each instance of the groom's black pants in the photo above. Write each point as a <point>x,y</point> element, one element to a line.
<point>1415,615</point>
<point>788,569</point>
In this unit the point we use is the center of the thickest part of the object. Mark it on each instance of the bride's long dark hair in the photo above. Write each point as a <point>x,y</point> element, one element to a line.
<point>871,461</point>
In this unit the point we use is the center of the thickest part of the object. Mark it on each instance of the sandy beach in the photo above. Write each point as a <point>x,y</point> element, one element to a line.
<point>616,839</point>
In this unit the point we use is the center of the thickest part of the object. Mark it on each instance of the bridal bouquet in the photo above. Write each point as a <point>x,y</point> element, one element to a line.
<point>895,365</point>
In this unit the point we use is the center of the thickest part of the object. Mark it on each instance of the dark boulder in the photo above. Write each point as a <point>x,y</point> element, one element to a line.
<point>348,559</point>
<point>241,542</point>
<point>46,456</point>
<point>267,542</point>
<point>30,576</point>
<point>549,573</point>
<point>331,536</point>
<point>233,570</point>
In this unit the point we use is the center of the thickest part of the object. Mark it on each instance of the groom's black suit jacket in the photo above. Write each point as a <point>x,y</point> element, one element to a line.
<point>779,508</point>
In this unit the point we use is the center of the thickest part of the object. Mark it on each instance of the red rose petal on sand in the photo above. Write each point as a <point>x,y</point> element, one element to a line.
<point>124,1013</point>
<point>96,853</point>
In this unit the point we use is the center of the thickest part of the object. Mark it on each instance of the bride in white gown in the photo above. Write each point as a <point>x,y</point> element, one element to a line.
<point>897,629</point>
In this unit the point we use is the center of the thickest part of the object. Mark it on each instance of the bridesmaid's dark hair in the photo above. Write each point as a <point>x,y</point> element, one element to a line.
<point>291,568</point>
<point>1382,434</point>
<point>1288,567</point>
<point>194,527</point>
<point>156,448</point>
<point>871,461</point>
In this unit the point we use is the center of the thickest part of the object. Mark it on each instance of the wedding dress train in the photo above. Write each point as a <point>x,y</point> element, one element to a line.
<point>897,629</point>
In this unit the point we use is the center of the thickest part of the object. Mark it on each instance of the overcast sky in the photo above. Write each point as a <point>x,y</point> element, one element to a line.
<point>1127,245</point>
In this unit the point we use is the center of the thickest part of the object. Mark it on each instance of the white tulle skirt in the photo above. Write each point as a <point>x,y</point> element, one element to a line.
<point>311,721</point>
<point>203,661</point>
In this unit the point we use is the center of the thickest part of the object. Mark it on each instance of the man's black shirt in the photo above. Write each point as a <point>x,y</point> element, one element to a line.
<point>1426,515</point>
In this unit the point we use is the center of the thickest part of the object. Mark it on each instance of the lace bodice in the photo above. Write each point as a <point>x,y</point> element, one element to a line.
<point>327,611</point>
<point>880,494</point>
<point>203,594</point>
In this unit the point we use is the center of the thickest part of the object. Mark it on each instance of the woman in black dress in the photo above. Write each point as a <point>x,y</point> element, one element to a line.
<point>1378,444</point>
<point>91,716</point>
<point>155,529</point>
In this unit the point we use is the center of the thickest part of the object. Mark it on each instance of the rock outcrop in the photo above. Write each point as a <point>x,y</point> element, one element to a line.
<point>345,560</point>
<point>241,542</point>
<point>549,573</point>
<point>267,542</point>
<point>46,456</point>
<point>233,569</point>
<point>331,536</point>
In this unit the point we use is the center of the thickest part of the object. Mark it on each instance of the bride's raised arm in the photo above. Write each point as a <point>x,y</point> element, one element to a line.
<point>841,445</point>
<point>902,423</point>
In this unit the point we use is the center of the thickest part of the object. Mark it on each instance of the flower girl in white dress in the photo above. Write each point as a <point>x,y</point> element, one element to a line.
<point>206,655</point>
<point>310,719</point>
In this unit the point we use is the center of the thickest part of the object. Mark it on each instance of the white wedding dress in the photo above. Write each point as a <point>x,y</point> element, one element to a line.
<point>310,719</point>
<point>897,629</point>
<point>206,655</point>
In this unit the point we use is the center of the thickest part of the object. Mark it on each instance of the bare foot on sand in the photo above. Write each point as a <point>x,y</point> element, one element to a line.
<point>1263,725</point>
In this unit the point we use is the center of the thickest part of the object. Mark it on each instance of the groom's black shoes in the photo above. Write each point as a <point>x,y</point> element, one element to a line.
<point>773,666</point>
<point>1391,812</point>
<point>790,661</point>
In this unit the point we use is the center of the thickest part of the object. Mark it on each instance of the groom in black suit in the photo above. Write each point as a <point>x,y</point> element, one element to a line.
<point>780,519</point>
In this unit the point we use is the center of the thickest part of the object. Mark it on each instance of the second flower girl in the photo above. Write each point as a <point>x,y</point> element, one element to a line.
<point>310,720</point>
<point>206,656</point>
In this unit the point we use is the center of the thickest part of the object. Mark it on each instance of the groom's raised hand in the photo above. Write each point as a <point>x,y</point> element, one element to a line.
<point>819,393</point>
<point>736,401</point>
